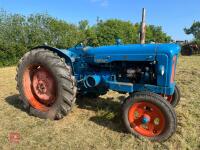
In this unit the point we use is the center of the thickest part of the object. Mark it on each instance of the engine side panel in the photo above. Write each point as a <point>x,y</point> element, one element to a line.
<point>123,68</point>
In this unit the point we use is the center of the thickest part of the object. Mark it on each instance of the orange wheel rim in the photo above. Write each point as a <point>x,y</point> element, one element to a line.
<point>146,119</point>
<point>39,87</point>
<point>169,98</point>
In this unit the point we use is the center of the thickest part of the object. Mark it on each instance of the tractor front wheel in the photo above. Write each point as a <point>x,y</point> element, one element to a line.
<point>175,98</point>
<point>46,84</point>
<point>148,115</point>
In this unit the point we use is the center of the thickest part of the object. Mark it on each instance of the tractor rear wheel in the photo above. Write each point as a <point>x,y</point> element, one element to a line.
<point>46,84</point>
<point>148,115</point>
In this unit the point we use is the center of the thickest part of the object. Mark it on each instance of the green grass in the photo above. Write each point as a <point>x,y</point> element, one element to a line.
<point>96,123</point>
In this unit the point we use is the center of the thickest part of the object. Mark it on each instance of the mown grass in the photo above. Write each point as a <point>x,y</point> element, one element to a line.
<point>96,123</point>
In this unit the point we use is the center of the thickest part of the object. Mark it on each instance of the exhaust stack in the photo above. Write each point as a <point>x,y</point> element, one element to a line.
<point>143,27</point>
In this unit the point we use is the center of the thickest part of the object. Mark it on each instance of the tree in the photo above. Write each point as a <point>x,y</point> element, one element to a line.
<point>108,31</point>
<point>194,30</point>
<point>83,25</point>
<point>21,33</point>
<point>43,28</point>
<point>155,34</point>
<point>12,37</point>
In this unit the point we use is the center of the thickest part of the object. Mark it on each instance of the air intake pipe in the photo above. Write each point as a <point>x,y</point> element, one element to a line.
<point>92,81</point>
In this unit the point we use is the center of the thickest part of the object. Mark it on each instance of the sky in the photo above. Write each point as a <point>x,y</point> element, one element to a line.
<point>172,15</point>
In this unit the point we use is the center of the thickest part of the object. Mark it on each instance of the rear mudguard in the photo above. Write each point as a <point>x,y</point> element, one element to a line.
<point>61,53</point>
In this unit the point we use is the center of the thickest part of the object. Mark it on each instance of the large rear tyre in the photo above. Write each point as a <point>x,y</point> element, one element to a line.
<point>148,115</point>
<point>46,84</point>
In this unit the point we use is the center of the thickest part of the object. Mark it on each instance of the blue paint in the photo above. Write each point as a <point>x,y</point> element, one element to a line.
<point>92,81</point>
<point>145,120</point>
<point>104,65</point>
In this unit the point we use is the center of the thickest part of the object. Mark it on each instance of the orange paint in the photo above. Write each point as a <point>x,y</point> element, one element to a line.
<point>173,70</point>
<point>149,129</point>
<point>39,98</point>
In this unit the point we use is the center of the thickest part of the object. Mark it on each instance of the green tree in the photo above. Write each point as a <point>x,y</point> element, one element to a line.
<point>83,25</point>
<point>88,33</point>
<point>155,34</point>
<point>194,30</point>
<point>108,31</point>
<point>12,37</point>
<point>43,28</point>
<point>21,33</point>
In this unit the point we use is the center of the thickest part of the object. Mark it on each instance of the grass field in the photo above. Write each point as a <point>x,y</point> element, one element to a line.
<point>96,123</point>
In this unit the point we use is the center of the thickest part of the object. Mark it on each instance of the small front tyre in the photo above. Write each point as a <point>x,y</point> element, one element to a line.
<point>148,115</point>
<point>175,98</point>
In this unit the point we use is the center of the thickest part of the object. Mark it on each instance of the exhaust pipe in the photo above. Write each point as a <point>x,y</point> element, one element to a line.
<point>143,27</point>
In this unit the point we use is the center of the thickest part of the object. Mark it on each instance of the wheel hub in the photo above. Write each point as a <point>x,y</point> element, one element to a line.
<point>43,85</point>
<point>146,119</point>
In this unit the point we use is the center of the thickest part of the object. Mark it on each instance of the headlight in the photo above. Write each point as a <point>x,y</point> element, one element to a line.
<point>161,70</point>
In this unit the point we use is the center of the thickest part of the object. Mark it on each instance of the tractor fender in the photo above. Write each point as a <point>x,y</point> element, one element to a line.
<point>60,53</point>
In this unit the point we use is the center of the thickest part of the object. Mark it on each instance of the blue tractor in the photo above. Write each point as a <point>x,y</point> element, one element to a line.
<point>49,80</point>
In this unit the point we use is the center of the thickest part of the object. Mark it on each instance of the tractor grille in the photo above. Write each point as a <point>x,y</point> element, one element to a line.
<point>173,69</point>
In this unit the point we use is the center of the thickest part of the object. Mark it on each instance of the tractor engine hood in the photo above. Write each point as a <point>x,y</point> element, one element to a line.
<point>132,52</point>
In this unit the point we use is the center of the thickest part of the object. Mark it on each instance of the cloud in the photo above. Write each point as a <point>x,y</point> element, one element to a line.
<point>102,3</point>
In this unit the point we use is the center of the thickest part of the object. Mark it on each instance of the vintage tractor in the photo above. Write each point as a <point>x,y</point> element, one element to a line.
<point>189,48</point>
<point>49,80</point>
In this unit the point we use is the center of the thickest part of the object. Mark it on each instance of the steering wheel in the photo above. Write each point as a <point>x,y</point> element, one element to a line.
<point>83,43</point>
